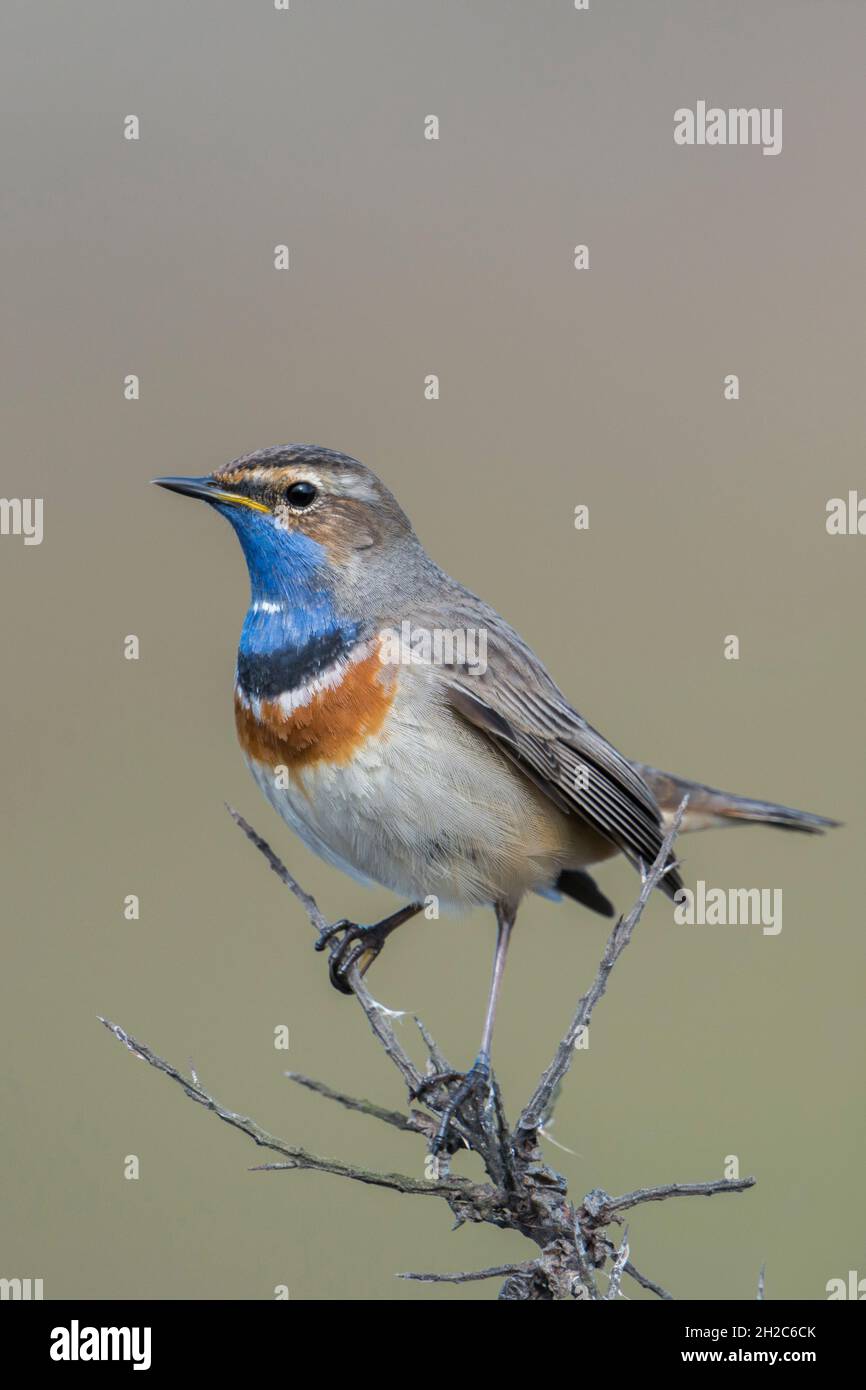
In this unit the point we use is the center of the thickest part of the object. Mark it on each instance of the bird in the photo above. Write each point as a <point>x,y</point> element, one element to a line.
<point>407,734</point>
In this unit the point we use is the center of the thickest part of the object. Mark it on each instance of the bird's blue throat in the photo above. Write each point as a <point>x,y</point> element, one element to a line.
<point>292,631</point>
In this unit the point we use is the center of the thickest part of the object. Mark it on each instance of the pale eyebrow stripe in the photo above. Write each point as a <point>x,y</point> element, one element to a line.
<point>350,485</point>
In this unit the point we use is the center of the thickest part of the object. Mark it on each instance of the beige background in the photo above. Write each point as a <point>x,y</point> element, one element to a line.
<point>605,387</point>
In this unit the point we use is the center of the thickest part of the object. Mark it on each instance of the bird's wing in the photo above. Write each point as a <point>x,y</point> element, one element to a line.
<point>513,701</point>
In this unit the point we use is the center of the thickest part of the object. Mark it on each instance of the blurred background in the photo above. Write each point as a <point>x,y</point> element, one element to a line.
<point>604,387</point>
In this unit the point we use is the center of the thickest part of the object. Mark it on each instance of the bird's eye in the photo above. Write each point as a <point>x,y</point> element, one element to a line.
<point>301,494</point>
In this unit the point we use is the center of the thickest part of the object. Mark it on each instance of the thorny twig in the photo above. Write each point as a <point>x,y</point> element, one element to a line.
<point>523,1193</point>
<point>605,1208</point>
<point>468,1276</point>
<point>297,1157</point>
<point>540,1108</point>
<point>366,1107</point>
<point>618,1267</point>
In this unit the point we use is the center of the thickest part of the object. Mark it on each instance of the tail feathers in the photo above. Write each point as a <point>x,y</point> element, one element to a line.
<point>710,808</point>
<point>743,808</point>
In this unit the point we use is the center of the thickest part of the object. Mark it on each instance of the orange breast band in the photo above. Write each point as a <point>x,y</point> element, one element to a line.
<point>334,723</point>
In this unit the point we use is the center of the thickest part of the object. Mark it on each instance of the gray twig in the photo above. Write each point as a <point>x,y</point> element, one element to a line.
<point>607,1208</point>
<point>468,1276</point>
<point>539,1108</point>
<point>308,902</point>
<point>617,1268</point>
<point>376,1015</point>
<point>647,1283</point>
<point>297,1157</point>
<point>366,1107</point>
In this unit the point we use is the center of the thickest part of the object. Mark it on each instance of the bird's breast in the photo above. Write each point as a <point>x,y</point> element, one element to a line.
<point>327,718</point>
<point>369,765</point>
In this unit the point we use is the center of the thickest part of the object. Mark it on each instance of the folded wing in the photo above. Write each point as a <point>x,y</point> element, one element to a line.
<point>514,702</point>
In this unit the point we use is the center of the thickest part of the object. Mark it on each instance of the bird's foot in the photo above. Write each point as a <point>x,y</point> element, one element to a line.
<point>359,945</point>
<point>474,1083</point>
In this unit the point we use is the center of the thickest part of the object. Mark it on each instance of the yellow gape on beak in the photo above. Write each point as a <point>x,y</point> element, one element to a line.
<point>209,492</point>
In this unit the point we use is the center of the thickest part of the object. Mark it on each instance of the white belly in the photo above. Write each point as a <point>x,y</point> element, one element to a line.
<point>426,807</point>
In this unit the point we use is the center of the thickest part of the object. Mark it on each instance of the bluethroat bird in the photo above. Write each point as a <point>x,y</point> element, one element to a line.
<point>410,762</point>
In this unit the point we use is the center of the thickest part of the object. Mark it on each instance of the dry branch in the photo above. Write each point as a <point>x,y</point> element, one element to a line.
<point>523,1193</point>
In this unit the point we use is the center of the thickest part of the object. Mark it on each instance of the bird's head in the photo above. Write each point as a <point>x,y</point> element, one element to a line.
<point>306,517</point>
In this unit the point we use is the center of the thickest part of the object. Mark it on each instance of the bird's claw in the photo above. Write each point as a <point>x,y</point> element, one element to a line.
<point>435,1078</point>
<point>359,943</point>
<point>475,1080</point>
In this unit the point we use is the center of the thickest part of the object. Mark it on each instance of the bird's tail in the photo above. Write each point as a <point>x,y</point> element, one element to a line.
<point>710,808</point>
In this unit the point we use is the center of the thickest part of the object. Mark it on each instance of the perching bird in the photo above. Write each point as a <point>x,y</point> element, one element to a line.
<point>404,730</point>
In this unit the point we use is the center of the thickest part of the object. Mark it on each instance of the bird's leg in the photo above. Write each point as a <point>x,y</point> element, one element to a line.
<point>477,1079</point>
<point>359,945</point>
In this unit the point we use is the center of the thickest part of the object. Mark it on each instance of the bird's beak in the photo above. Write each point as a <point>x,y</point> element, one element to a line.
<point>209,491</point>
